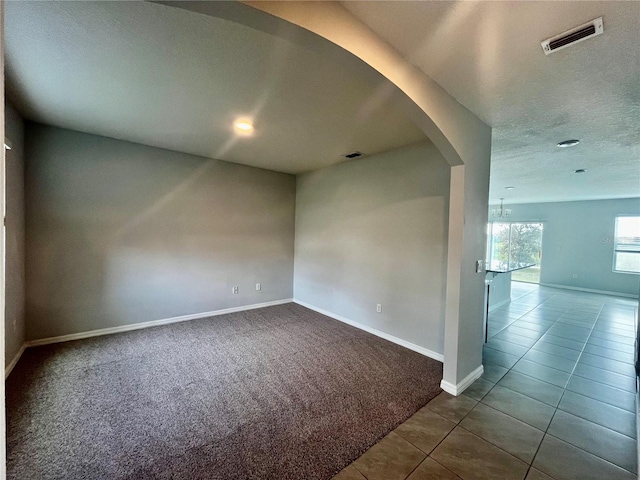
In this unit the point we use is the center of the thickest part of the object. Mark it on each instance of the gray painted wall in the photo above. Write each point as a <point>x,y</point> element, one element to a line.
<point>374,231</point>
<point>120,233</point>
<point>577,240</point>
<point>14,320</point>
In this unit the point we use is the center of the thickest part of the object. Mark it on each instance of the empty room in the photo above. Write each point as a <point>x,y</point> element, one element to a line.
<point>265,240</point>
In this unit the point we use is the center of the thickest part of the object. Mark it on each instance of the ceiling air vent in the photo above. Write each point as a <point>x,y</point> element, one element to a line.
<point>353,155</point>
<point>575,35</point>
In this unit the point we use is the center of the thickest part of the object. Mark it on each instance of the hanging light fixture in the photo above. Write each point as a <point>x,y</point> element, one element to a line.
<point>501,212</point>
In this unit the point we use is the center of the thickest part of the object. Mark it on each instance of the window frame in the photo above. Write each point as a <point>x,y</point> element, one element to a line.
<point>617,250</point>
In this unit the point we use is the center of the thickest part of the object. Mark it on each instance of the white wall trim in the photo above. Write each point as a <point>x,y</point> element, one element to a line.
<point>590,290</point>
<point>398,341</point>
<point>153,323</point>
<point>12,363</point>
<point>462,386</point>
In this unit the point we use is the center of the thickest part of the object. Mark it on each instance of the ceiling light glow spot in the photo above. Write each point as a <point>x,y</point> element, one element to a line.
<point>509,188</point>
<point>568,143</point>
<point>243,127</point>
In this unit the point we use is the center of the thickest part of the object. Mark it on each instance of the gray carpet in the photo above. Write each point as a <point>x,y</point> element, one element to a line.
<point>276,393</point>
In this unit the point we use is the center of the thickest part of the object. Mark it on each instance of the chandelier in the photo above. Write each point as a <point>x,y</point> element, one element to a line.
<point>501,212</point>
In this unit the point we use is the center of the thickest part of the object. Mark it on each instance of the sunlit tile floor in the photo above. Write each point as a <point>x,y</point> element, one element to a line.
<point>556,401</point>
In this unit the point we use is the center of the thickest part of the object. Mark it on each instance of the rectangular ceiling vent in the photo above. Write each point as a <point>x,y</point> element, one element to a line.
<point>353,155</point>
<point>573,36</point>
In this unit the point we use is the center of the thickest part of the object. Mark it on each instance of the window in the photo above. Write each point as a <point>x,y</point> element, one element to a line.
<point>515,244</point>
<point>626,245</point>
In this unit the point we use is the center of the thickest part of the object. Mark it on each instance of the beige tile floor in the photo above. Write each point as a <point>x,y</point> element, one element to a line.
<point>556,401</point>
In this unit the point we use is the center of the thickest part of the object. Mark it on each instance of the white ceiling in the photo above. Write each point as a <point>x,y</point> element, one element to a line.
<point>488,56</point>
<point>175,79</point>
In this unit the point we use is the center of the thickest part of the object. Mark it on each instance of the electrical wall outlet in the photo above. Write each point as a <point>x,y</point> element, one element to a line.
<point>479,264</point>
<point>235,289</point>
<point>258,287</point>
<point>379,307</point>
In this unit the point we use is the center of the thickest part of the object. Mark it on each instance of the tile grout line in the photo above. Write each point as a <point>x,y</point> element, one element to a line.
<point>428,455</point>
<point>506,414</point>
<point>489,406</point>
<point>576,362</point>
<point>528,350</point>
<point>602,356</point>
<point>596,423</point>
<point>604,370</point>
<point>564,390</point>
<point>580,356</point>
<point>556,408</point>
<point>519,317</point>
<point>540,444</point>
<point>443,466</point>
<point>476,435</point>
<point>496,446</point>
<point>470,432</point>
<point>593,454</point>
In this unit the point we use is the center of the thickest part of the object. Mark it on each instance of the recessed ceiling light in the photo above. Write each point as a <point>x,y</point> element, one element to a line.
<point>568,143</point>
<point>509,188</point>
<point>580,170</point>
<point>243,127</point>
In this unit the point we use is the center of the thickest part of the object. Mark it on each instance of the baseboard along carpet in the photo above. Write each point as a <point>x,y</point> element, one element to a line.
<point>275,393</point>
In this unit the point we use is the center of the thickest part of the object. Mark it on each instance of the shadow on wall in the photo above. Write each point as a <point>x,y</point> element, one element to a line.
<point>14,235</point>
<point>374,231</point>
<point>121,233</point>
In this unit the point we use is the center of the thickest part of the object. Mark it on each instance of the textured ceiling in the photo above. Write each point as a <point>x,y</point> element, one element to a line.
<point>488,56</point>
<point>174,79</point>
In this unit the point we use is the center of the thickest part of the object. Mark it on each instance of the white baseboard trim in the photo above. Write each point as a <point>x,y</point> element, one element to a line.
<point>462,386</point>
<point>12,363</point>
<point>398,341</point>
<point>153,323</point>
<point>590,290</point>
<point>499,304</point>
